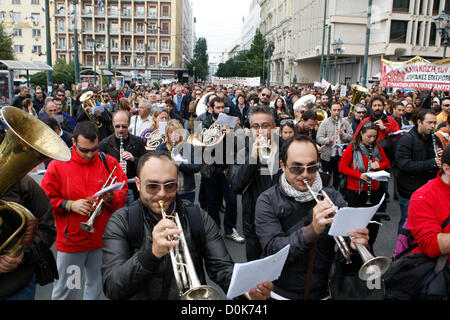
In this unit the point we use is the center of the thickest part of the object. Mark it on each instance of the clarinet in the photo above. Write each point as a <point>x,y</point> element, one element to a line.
<point>122,161</point>
<point>433,139</point>
<point>369,183</point>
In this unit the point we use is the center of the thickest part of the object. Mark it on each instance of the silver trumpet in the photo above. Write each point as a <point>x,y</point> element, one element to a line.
<point>88,225</point>
<point>371,265</point>
<point>188,283</point>
<point>265,149</point>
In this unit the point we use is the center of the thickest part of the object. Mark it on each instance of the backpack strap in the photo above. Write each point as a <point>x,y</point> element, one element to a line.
<point>442,260</point>
<point>197,228</point>
<point>102,156</point>
<point>135,225</point>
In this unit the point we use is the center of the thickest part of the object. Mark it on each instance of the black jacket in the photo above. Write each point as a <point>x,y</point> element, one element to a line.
<point>281,220</point>
<point>30,195</point>
<point>414,158</point>
<point>250,179</point>
<point>138,274</point>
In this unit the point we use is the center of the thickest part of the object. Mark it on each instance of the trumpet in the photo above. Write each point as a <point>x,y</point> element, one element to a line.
<point>371,265</point>
<point>189,285</point>
<point>88,226</point>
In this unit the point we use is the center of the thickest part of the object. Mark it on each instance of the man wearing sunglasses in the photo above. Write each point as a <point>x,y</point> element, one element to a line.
<point>141,269</point>
<point>251,176</point>
<point>442,116</point>
<point>71,186</point>
<point>133,147</point>
<point>288,214</point>
<point>359,114</point>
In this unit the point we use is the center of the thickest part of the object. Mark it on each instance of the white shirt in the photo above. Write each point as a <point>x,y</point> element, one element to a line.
<point>137,125</point>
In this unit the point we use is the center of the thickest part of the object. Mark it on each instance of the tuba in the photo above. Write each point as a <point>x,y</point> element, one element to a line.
<point>305,101</point>
<point>27,143</point>
<point>188,283</point>
<point>321,115</point>
<point>209,137</point>
<point>358,92</point>
<point>86,98</point>
<point>154,139</point>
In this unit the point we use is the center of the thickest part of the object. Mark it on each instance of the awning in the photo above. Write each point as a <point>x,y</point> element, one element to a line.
<point>26,65</point>
<point>91,72</point>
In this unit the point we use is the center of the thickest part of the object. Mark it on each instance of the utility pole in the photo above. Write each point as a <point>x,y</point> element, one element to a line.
<point>323,39</point>
<point>327,69</point>
<point>366,53</point>
<point>108,46</point>
<point>49,48</point>
<point>75,43</point>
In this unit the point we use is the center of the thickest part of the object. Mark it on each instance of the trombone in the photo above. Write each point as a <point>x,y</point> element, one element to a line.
<point>88,226</point>
<point>371,265</point>
<point>188,283</point>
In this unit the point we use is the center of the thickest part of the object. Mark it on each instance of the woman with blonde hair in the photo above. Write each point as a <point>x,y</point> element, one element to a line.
<point>160,116</point>
<point>133,101</point>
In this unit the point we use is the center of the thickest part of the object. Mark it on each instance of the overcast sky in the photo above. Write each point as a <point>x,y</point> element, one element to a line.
<point>219,21</point>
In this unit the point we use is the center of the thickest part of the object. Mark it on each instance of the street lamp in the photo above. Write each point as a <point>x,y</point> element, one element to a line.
<point>442,25</point>
<point>95,43</point>
<point>337,48</point>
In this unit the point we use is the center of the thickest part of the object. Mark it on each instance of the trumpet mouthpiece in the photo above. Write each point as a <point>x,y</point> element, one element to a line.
<point>161,203</point>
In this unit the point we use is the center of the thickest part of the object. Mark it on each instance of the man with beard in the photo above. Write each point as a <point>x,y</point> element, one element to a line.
<point>416,159</point>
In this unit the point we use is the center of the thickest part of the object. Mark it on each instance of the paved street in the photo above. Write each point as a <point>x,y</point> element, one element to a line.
<point>383,246</point>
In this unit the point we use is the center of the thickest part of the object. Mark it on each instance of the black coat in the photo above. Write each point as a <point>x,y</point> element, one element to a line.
<point>414,158</point>
<point>281,220</point>
<point>139,274</point>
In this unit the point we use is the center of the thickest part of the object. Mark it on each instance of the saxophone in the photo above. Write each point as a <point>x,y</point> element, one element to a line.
<point>122,161</point>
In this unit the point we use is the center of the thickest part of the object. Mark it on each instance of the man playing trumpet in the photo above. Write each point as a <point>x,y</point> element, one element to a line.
<point>70,186</point>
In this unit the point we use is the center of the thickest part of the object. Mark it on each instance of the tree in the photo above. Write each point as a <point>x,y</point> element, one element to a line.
<point>248,63</point>
<point>62,73</point>
<point>198,66</point>
<point>6,45</point>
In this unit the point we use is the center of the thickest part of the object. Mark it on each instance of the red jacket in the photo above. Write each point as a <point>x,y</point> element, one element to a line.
<point>428,208</point>
<point>79,179</point>
<point>353,174</point>
<point>390,124</point>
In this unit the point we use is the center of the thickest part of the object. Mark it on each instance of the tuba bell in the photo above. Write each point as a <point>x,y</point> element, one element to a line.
<point>358,92</point>
<point>321,115</point>
<point>27,143</point>
<point>86,99</point>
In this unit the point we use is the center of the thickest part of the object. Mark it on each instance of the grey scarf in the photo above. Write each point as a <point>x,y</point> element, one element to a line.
<point>358,163</point>
<point>299,195</point>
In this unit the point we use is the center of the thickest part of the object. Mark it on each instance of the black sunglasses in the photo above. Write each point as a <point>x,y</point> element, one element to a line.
<point>265,95</point>
<point>298,170</point>
<point>361,112</point>
<point>117,126</point>
<point>85,150</point>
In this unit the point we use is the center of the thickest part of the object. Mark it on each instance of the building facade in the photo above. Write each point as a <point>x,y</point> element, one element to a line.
<point>141,36</point>
<point>399,30</point>
<point>251,23</point>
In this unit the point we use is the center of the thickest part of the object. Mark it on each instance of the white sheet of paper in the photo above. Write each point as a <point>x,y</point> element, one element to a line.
<point>340,145</point>
<point>407,127</point>
<point>398,132</point>
<point>248,275</point>
<point>162,127</point>
<point>114,187</point>
<point>379,175</point>
<point>179,159</point>
<point>351,219</point>
<point>225,119</point>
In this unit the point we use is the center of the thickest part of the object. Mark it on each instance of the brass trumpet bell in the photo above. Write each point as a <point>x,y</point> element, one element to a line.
<point>27,143</point>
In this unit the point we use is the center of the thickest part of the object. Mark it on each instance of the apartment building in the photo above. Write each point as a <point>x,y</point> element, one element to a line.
<point>136,35</point>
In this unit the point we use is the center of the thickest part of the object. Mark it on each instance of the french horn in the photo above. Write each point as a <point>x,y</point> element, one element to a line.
<point>154,139</point>
<point>208,137</point>
<point>27,143</point>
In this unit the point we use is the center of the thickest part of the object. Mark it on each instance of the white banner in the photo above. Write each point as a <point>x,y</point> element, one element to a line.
<point>249,82</point>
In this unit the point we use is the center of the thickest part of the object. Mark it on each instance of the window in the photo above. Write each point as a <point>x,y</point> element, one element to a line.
<point>17,32</point>
<point>433,34</point>
<point>165,27</point>
<point>61,43</point>
<point>165,11</point>
<point>126,11</point>
<point>60,9</point>
<point>398,31</point>
<point>34,1</point>
<point>115,43</point>
<point>165,61</point>
<point>140,11</point>
<point>400,6</point>
<point>127,44</point>
<point>126,60</point>
<point>114,11</point>
<point>36,18</point>
<point>87,26</point>
<point>61,25</point>
<point>152,12</point>
<point>152,45</point>
<point>114,28</point>
<point>140,45</point>
<point>114,60</point>
<point>36,33</point>
<point>36,49</point>
<point>419,30</point>
<point>101,27</point>
<point>436,7</point>
<point>62,57</point>
<point>127,27</point>
<point>16,16</point>
<point>15,1</point>
<point>447,6</point>
<point>165,45</point>
<point>140,28</point>
<point>18,48</point>
<point>152,60</point>
<point>152,28</point>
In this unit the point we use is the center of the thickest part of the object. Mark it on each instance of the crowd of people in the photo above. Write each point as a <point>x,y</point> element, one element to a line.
<point>286,142</point>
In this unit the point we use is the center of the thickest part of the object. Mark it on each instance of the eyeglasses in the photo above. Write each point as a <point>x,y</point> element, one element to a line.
<point>265,95</point>
<point>264,126</point>
<point>154,188</point>
<point>298,170</point>
<point>124,126</point>
<point>85,150</point>
<point>446,105</point>
<point>361,112</point>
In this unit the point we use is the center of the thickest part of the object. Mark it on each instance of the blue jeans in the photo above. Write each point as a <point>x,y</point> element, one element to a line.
<point>27,293</point>
<point>404,203</point>
<point>213,186</point>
